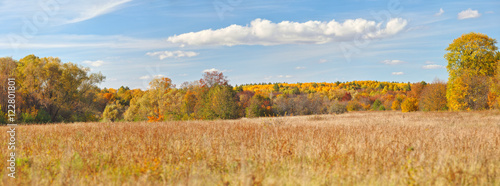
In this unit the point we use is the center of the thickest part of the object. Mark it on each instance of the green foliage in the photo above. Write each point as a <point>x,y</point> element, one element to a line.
<point>63,91</point>
<point>113,112</point>
<point>219,103</point>
<point>259,106</point>
<point>3,118</point>
<point>276,87</point>
<point>27,117</point>
<point>377,104</point>
<point>44,117</point>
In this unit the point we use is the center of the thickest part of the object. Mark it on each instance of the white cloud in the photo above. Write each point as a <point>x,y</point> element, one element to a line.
<point>489,12</point>
<point>441,11</point>
<point>398,73</point>
<point>214,70</point>
<point>144,77</point>
<point>82,41</point>
<point>433,66</point>
<point>429,62</point>
<point>210,70</point>
<point>392,62</point>
<point>469,13</point>
<point>172,54</point>
<point>60,11</point>
<point>265,32</point>
<point>97,63</point>
<point>323,61</point>
<point>151,77</point>
<point>95,8</point>
<point>300,68</point>
<point>284,76</point>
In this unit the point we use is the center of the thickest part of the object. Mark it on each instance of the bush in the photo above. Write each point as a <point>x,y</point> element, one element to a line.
<point>409,105</point>
<point>353,106</point>
<point>3,118</point>
<point>337,108</point>
<point>377,105</point>
<point>259,106</point>
<point>113,112</point>
<point>382,107</point>
<point>27,117</point>
<point>43,116</point>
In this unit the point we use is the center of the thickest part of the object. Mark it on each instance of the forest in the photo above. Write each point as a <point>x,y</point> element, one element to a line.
<point>49,90</point>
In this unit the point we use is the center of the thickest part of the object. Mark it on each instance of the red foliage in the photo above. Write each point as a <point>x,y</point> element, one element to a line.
<point>347,97</point>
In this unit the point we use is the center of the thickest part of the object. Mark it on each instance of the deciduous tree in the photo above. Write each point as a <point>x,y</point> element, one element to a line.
<point>471,58</point>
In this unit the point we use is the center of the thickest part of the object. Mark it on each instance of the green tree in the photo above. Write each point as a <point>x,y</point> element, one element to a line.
<point>220,103</point>
<point>258,106</point>
<point>276,87</point>
<point>113,112</point>
<point>66,91</point>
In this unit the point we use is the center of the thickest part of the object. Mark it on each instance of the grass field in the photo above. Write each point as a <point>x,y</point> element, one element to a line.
<point>360,148</point>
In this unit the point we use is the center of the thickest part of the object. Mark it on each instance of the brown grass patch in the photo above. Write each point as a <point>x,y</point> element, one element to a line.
<point>361,148</point>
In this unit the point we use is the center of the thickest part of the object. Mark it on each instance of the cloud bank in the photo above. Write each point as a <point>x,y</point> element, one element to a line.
<point>265,32</point>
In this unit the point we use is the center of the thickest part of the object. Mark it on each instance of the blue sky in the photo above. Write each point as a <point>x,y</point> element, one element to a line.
<point>132,41</point>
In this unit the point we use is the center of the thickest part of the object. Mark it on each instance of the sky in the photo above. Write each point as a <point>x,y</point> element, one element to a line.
<point>132,41</point>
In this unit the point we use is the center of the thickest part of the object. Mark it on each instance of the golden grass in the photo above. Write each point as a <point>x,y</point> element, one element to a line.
<point>360,148</point>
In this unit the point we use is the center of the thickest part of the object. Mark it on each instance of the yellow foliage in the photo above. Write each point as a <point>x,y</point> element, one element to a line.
<point>396,105</point>
<point>409,105</point>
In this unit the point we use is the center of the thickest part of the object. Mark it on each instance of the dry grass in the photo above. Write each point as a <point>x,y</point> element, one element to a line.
<point>360,148</point>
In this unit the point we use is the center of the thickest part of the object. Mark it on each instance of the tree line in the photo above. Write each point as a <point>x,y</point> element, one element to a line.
<point>52,91</point>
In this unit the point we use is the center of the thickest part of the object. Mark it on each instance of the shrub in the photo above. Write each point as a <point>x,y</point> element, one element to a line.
<point>382,107</point>
<point>3,119</point>
<point>27,117</point>
<point>337,108</point>
<point>258,106</point>
<point>377,105</point>
<point>113,112</point>
<point>409,105</point>
<point>353,105</point>
<point>43,116</point>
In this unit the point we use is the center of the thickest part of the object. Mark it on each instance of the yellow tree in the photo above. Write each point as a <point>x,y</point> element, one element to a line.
<point>470,56</point>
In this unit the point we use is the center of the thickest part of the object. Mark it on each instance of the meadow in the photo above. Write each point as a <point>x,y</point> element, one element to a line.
<point>355,148</point>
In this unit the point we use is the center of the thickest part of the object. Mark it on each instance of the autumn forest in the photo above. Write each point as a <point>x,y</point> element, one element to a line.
<point>50,90</point>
